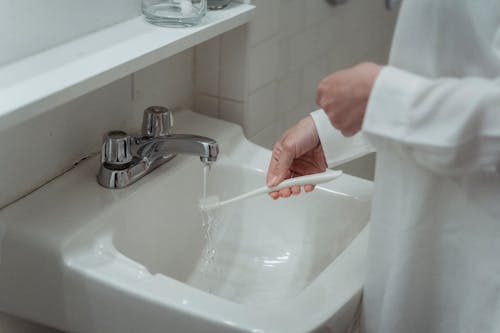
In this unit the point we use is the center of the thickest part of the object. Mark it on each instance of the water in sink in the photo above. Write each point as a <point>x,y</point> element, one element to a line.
<point>266,251</point>
<point>258,277</point>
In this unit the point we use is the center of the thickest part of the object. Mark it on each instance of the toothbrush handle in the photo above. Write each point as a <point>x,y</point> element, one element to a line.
<point>314,179</point>
<point>260,190</point>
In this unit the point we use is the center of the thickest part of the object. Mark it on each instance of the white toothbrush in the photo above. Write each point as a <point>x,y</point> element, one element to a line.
<point>213,202</point>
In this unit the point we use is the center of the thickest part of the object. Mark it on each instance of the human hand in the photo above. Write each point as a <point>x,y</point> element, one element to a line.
<point>297,153</point>
<point>344,95</point>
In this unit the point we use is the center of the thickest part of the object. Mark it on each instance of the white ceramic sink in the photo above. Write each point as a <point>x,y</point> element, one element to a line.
<point>87,259</point>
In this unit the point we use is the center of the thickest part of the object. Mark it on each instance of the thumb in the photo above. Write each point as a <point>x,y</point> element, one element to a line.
<point>281,161</point>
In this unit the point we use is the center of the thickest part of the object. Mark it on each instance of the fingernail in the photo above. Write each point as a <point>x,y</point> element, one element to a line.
<point>272,181</point>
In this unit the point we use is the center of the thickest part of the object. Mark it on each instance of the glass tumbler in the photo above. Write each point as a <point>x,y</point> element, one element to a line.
<point>174,13</point>
<point>217,4</point>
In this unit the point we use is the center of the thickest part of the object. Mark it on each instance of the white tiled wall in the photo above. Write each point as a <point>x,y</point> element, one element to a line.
<point>268,71</point>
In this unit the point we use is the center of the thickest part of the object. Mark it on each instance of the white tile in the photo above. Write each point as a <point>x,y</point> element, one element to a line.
<point>289,92</point>
<point>265,23</point>
<point>283,58</point>
<point>345,48</point>
<point>261,110</point>
<point>292,117</point>
<point>232,111</point>
<point>168,83</point>
<point>331,35</point>
<point>340,58</point>
<point>318,10</point>
<point>291,17</point>
<point>233,62</point>
<point>268,136</point>
<point>380,22</point>
<point>207,105</point>
<point>207,70</point>
<point>263,63</point>
<point>313,73</point>
<point>303,48</point>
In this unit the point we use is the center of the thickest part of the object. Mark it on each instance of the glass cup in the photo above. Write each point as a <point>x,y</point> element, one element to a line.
<point>217,4</point>
<point>174,13</point>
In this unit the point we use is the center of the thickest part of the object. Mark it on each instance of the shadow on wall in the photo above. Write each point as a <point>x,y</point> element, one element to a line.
<point>12,324</point>
<point>363,167</point>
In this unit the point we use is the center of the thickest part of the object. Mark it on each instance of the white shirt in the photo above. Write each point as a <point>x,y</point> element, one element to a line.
<point>434,119</point>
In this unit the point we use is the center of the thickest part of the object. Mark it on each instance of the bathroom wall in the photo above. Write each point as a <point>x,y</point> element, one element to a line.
<point>261,76</point>
<point>45,146</point>
<point>264,76</point>
<point>31,26</point>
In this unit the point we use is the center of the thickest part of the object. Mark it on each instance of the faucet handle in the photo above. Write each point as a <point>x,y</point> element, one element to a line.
<point>157,122</point>
<point>116,148</point>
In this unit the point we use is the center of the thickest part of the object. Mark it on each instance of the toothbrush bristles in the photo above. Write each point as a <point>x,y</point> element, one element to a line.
<point>208,203</point>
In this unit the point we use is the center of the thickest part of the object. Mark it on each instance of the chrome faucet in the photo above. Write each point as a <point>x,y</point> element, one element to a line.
<point>125,159</point>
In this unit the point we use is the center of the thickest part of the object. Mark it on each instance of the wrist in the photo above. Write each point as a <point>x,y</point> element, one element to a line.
<point>371,71</point>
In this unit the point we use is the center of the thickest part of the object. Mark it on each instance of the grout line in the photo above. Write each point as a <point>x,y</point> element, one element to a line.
<point>132,87</point>
<point>36,188</point>
<point>264,86</point>
<point>265,40</point>
<point>219,76</point>
<point>231,100</point>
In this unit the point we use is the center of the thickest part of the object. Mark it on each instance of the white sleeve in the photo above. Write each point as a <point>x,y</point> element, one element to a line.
<point>337,148</point>
<point>449,126</point>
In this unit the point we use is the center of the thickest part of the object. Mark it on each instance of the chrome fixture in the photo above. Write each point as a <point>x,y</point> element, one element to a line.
<point>125,159</point>
<point>218,4</point>
<point>336,2</point>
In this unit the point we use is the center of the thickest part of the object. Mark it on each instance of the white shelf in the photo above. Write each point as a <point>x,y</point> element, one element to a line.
<point>43,81</point>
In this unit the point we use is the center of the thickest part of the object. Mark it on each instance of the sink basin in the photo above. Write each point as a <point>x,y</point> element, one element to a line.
<point>82,258</point>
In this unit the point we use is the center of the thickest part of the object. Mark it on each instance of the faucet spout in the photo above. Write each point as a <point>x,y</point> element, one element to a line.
<point>206,148</point>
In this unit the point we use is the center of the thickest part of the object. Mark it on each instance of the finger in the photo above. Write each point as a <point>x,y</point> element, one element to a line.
<point>274,195</point>
<point>285,193</point>
<point>308,188</point>
<point>339,120</point>
<point>281,160</point>
<point>350,131</point>
<point>352,126</point>
<point>295,190</point>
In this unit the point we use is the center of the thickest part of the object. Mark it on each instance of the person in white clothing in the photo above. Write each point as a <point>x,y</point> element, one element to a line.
<point>433,117</point>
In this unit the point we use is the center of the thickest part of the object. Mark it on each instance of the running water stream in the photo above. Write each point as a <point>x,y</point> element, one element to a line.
<point>206,169</point>
<point>208,220</point>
